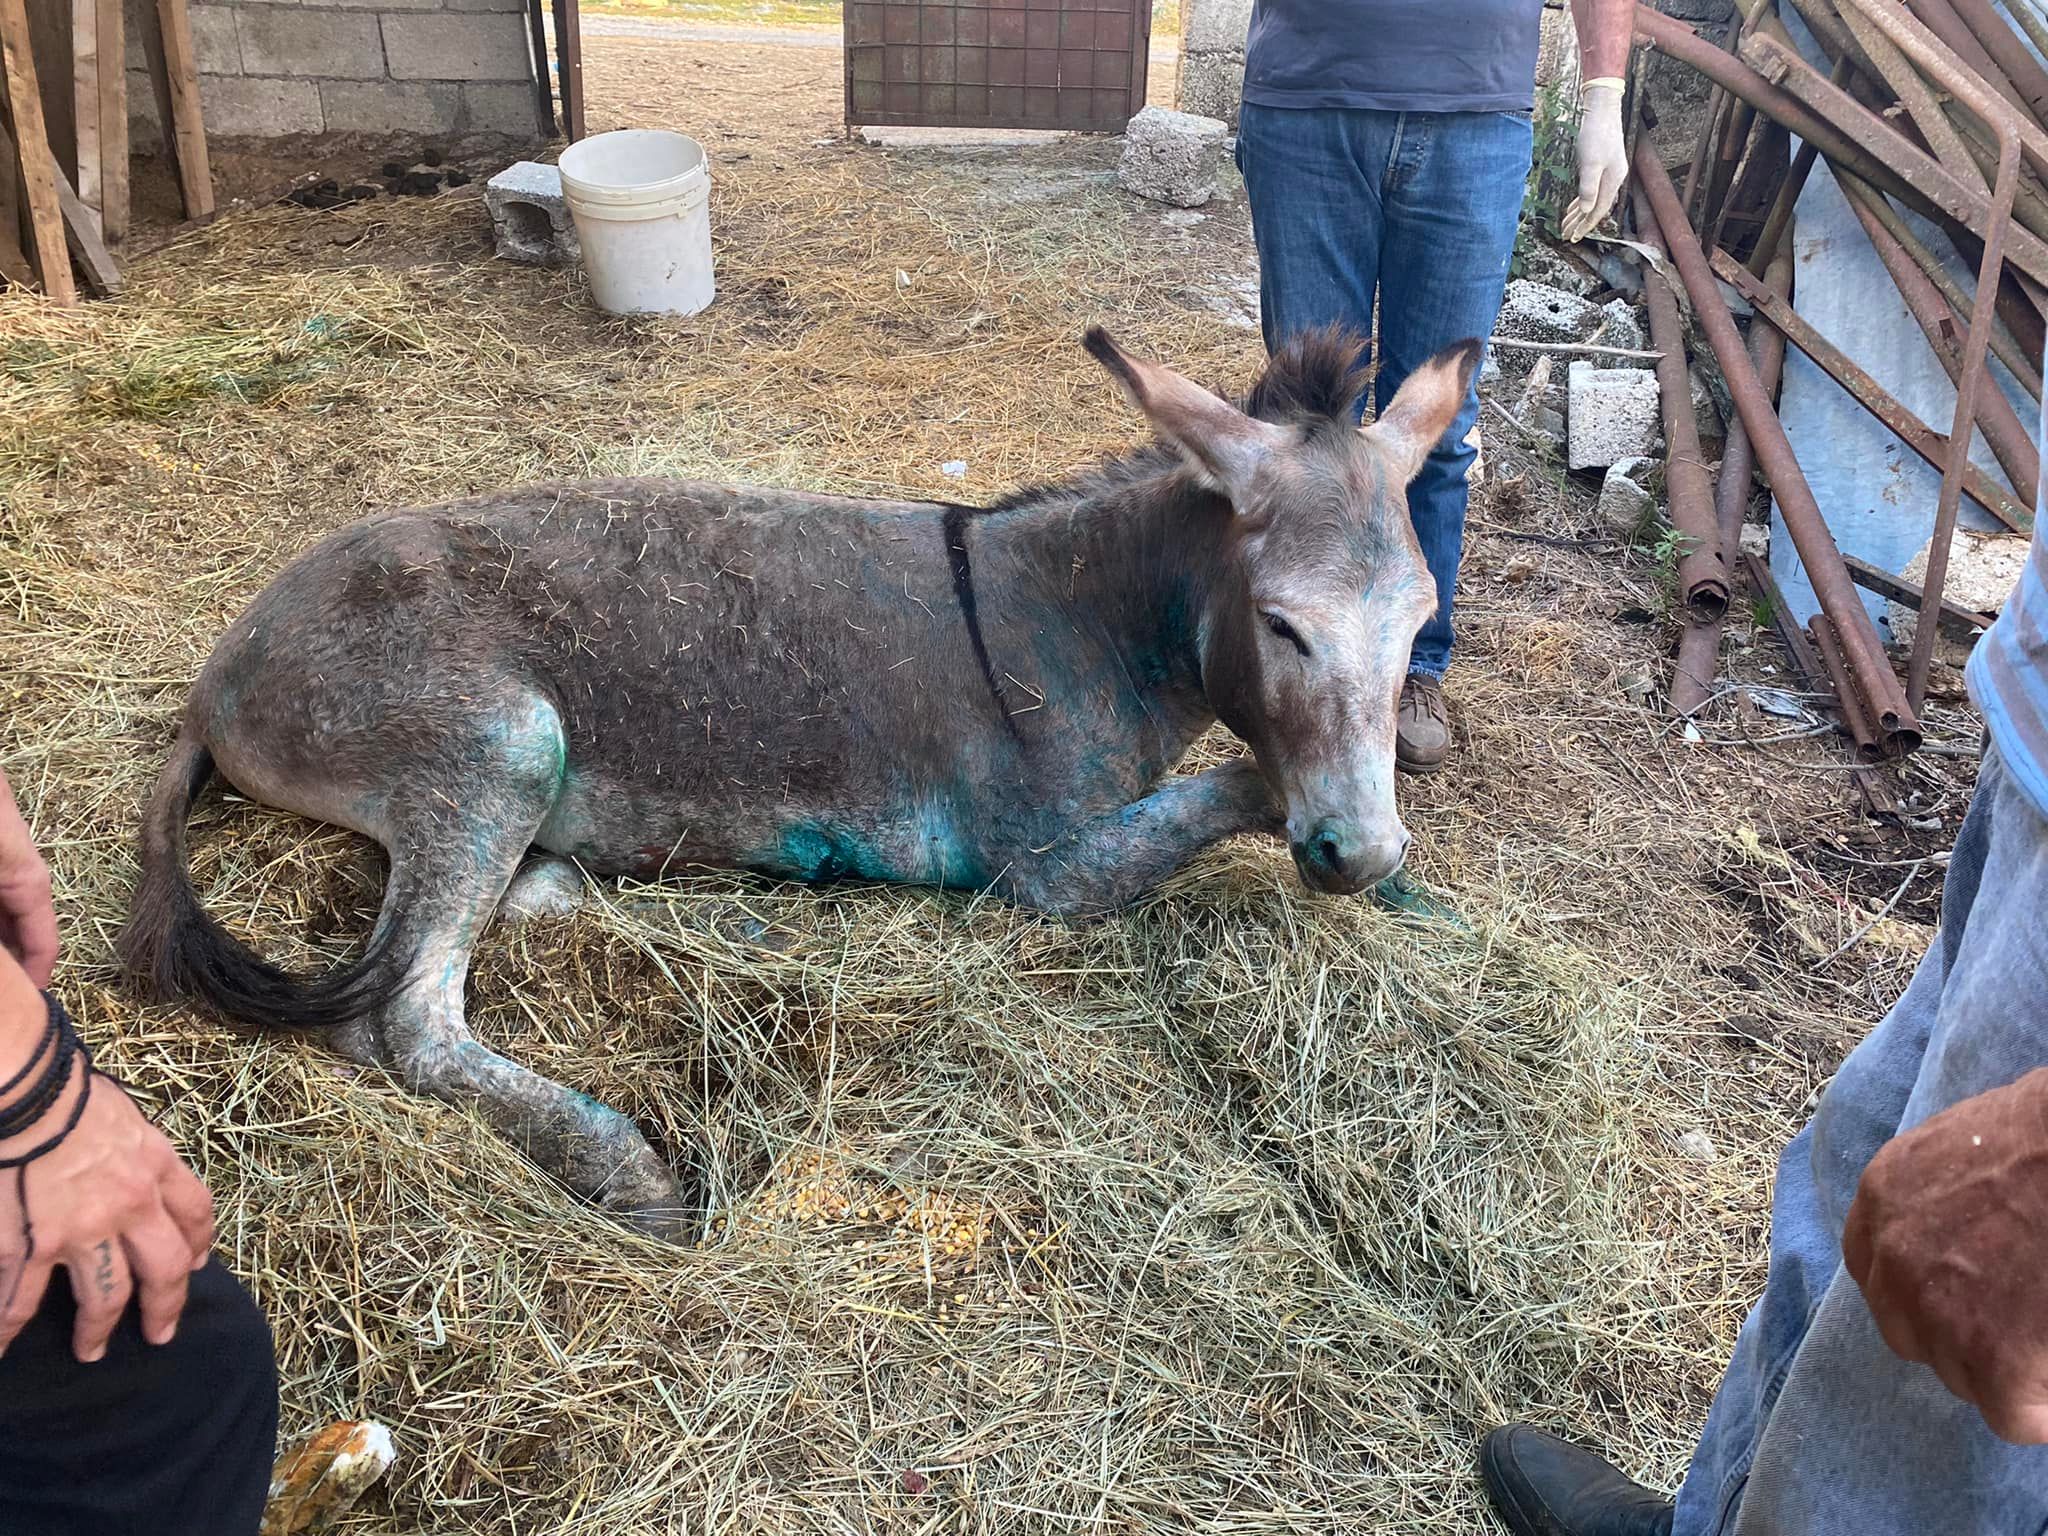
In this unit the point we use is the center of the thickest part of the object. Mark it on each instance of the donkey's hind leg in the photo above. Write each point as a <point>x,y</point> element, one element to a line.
<point>454,850</point>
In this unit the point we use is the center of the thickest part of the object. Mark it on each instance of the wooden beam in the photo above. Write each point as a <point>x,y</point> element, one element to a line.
<point>569,50</point>
<point>112,100</point>
<point>183,123</point>
<point>82,234</point>
<point>14,263</point>
<point>85,98</point>
<point>32,151</point>
<point>536,16</point>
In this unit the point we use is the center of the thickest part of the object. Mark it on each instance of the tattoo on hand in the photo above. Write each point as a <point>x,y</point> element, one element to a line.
<point>103,1272</point>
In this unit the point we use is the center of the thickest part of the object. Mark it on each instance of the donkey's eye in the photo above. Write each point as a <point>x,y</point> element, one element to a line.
<point>1285,631</point>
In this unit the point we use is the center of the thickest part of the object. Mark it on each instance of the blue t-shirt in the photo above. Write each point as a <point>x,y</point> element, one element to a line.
<point>1394,55</point>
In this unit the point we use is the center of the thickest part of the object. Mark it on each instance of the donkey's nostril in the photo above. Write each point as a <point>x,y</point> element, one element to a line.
<point>1330,854</point>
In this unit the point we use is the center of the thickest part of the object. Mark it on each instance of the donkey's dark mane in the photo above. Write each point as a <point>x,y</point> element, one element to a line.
<point>1317,376</point>
<point>1314,380</point>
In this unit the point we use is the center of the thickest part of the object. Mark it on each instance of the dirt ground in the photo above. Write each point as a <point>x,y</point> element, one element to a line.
<point>1696,925</point>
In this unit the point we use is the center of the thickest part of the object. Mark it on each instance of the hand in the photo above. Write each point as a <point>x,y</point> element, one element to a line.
<point>1948,1237</point>
<point>114,1206</point>
<point>28,922</point>
<point>1603,160</point>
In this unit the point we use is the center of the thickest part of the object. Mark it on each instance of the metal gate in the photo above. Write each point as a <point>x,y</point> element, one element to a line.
<point>1077,64</point>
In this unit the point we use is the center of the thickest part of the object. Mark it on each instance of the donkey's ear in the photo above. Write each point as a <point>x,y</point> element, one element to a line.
<point>1219,441</point>
<point>1424,407</point>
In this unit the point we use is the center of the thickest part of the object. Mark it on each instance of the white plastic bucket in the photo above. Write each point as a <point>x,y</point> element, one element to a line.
<point>641,199</point>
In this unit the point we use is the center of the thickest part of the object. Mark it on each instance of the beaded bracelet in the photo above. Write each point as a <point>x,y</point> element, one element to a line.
<point>65,1049</point>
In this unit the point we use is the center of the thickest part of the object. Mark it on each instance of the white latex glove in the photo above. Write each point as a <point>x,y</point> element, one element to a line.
<point>1603,159</point>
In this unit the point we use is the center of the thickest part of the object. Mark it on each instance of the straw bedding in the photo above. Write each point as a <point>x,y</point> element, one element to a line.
<point>1243,1211</point>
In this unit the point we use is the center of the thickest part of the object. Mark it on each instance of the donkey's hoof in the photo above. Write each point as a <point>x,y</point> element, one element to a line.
<point>675,1221</point>
<point>544,888</point>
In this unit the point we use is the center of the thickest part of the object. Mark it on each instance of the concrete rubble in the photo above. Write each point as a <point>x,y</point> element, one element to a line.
<point>1610,414</point>
<point>530,216</point>
<point>1172,157</point>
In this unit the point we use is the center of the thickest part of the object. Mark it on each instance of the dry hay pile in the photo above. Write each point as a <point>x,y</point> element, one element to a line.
<point>1242,1211</point>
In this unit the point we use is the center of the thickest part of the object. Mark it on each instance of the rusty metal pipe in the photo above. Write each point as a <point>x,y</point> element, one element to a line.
<point>2011,443</point>
<point>1699,646</point>
<point>1943,22</point>
<point>1877,139</point>
<point>1827,644</point>
<point>1676,40</point>
<point>1862,651</point>
<point>2010,351</point>
<point>1780,217</point>
<point>2021,68</point>
<point>2004,120</point>
<point>1909,429</point>
<point>1703,566</point>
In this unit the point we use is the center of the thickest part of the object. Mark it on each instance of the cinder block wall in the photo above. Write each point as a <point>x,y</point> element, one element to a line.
<point>438,68</point>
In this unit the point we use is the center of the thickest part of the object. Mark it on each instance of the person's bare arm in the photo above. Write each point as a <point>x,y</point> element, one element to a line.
<point>87,1182</point>
<point>1948,1238</point>
<point>28,921</point>
<point>1606,30</point>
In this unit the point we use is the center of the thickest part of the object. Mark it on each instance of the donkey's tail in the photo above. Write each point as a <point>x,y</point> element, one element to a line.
<point>171,943</point>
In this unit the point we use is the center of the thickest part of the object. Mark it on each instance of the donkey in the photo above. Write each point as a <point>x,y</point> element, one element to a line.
<point>637,676</point>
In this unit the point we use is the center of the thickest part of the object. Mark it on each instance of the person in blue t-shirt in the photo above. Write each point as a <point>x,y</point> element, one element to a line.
<point>1384,146</point>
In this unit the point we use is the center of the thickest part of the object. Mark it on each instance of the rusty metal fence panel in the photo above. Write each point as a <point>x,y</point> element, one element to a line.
<point>1075,64</point>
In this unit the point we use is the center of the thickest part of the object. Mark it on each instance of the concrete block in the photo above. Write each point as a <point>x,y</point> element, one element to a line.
<point>1628,498</point>
<point>1982,571</point>
<point>530,216</point>
<point>385,5</point>
<point>1537,312</point>
<point>389,106</point>
<point>484,5</point>
<point>1212,85</point>
<point>508,109</point>
<point>241,107</point>
<point>214,43</point>
<point>1610,414</point>
<point>279,40</point>
<point>1621,327</point>
<point>1542,264</point>
<point>1215,26</point>
<point>1172,157</point>
<point>477,46</point>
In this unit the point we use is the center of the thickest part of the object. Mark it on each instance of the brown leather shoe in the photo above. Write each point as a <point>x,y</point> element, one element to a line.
<point>1422,732</point>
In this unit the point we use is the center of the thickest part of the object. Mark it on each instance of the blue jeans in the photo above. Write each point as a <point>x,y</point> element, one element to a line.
<point>1819,1429</point>
<point>1419,208</point>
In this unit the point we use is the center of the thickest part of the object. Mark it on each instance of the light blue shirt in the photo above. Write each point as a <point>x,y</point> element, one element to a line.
<point>2008,673</point>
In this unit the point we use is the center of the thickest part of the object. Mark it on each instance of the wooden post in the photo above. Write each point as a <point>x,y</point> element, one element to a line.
<point>536,16</point>
<point>569,49</point>
<point>32,150</point>
<point>85,99</point>
<point>183,122</point>
<point>112,58</point>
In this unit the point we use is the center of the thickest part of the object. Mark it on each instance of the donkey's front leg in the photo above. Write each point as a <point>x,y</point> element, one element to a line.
<point>1112,861</point>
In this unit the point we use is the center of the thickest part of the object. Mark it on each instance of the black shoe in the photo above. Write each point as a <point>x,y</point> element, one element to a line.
<point>1544,1486</point>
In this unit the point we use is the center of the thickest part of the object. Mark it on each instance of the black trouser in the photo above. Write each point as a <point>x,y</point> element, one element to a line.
<point>154,1440</point>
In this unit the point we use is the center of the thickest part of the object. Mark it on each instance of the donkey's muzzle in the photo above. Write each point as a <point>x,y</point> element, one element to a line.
<point>1342,858</point>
